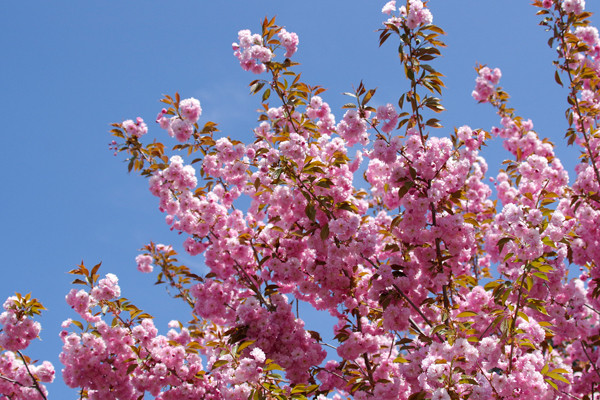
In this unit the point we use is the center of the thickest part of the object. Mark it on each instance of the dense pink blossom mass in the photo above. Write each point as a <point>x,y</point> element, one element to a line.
<point>442,286</point>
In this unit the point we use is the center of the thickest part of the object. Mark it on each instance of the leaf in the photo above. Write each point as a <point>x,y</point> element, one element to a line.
<point>506,257</point>
<point>244,345</point>
<point>405,188</point>
<point>465,314</point>
<point>560,371</point>
<point>557,78</point>
<point>266,95</point>
<point>558,377</point>
<point>325,232</point>
<point>272,366</point>
<point>418,396</point>
<point>219,363</point>
<point>549,242</point>
<point>502,242</point>
<point>368,96</point>
<point>552,383</point>
<point>541,275</point>
<point>310,212</point>
<point>395,222</point>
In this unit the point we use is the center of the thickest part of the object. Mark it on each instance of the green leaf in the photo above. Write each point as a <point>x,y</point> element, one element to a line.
<point>465,314</point>
<point>541,275</point>
<point>549,242</point>
<point>558,377</point>
<point>219,363</point>
<point>272,366</point>
<point>552,383</point>
<point>244,345</point>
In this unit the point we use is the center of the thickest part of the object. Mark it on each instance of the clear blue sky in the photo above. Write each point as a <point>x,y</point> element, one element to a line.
<point>70,68</point>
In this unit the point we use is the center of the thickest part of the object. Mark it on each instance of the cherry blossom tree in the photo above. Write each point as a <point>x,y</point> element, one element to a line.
<point>442,287</point>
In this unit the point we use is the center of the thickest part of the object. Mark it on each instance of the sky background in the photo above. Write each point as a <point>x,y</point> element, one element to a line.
<point>70,68</point>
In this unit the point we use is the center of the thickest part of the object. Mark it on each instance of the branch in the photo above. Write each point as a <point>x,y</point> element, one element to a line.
<point>583,345</point>
<point>35,382</point>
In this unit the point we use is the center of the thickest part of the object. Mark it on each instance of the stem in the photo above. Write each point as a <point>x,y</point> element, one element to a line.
<point>489,381</point>
<point>592,308</point>
<point>417,310</point>
<point>488,327</point>
<point>573,96</point>
<point>335,374</point>
<point>571,396</point>
<point>364,355</point>
<point>253,286</point>
<point>35,382</point>
<point>413,94</point>
<point>438,253</point>
<point>289,118</point>
<point>11,380</point>
<point>514,321</point>
<point>583,345</point>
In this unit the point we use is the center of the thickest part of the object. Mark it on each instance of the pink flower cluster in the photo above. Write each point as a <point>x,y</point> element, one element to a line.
<point>17,374</point>
<point>353,129</point>
<point>144,263</point>
<point>120,361</point>
<point>290,41</point>
<point>573,6</point>
<point>318,109</point>
<point>388,115</point>
<point>15,378</point>
<point>135,129</point>
<point>406,254</point>
<point>17,330</point>
<point>181,127</point>
<point>416,15</point>
<point>107,288</point>
<point>485,83</point>
<point>82,302</point>
<point>252,53</point>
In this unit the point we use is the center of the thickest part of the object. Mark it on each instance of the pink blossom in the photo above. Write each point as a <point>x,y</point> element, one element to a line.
<point>190,109</point>
<point>573,6</point>
<point>289,40</point>
<point>182,129</point>
<point>107,288</point>
<point>485,83</point>
<point>135,129</point>
<point>144,263</point>
<point>251,52</point>
<point>389,7</point>
<point>418,15</point>
<point>588,35</point>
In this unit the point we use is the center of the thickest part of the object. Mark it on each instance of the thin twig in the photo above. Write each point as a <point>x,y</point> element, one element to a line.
<point>570,395</point>
<point>328,345</point>
<point>514,321</point>
<point>35,382</point>
<point>489,381</point>
<point>11,380</point>
<point>592,308</point>
<point>416,309</point>
<point>583,345</point>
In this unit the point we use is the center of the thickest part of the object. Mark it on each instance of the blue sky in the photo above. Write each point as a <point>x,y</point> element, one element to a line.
<point>69,69</point>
